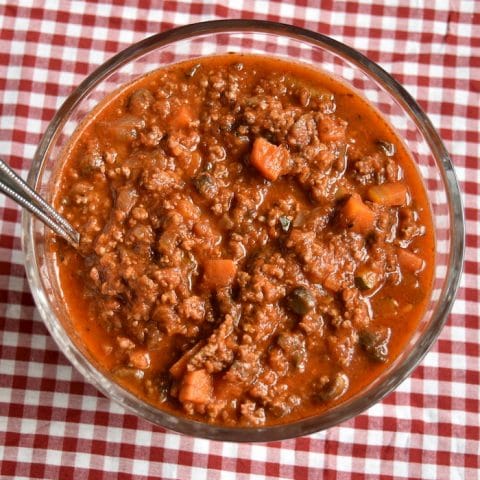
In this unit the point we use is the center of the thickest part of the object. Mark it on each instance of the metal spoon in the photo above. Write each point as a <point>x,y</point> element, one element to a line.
<point>15,188</point>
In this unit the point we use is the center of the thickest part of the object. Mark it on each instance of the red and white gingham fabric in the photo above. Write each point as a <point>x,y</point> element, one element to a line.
<point>55,425</point>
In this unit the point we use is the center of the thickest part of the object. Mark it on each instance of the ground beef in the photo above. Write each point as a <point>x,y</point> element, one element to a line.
<point>244,258</point>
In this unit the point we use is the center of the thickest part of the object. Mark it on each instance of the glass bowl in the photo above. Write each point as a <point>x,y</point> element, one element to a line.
<point>289,42</point>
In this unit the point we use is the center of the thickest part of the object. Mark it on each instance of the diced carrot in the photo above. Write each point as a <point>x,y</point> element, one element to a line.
<point>358,216</point>
<point>182,117</point>
<point>409,260</point>
<point>270,160</point>
<point>389,194</point>
<point>226,389</point>
<point>196,387</point>
<point>218,273</point>
<point>178,368</point>
<point>140,359</point>
<point>332,282</point>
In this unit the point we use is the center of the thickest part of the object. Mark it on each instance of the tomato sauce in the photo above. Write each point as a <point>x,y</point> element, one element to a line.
<point>256,242</point>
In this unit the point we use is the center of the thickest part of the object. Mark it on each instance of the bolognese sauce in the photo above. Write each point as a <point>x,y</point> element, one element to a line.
<point>256,242</point>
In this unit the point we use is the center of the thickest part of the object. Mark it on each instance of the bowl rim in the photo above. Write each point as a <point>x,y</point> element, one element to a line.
<point>351,407</point>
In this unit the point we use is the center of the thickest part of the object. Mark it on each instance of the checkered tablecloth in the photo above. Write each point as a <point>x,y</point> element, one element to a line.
<point>55,425</point>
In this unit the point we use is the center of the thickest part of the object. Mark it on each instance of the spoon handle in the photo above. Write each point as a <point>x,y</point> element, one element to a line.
<point>15,188</point>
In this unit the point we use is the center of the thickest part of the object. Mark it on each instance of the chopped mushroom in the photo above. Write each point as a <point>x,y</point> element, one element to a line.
<point>301,301</point>
<point>375,343</point>
<point>334,388</point>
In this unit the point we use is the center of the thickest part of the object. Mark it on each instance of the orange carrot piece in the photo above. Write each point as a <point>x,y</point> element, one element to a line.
<point>196,387</point>
<point>358,216</point>
<point>270,160</point>
<point>182,117</point>
<point>140,359</point>
<point>409,260</point>
<point>226,389</point>
<point>179,367</point>
<point>389,194</point>
<point>218,273</point>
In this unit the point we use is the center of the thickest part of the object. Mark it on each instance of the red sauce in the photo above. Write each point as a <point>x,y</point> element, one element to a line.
<point>257,244</point>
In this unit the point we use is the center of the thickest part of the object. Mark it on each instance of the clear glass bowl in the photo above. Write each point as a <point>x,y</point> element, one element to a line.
<point>288,42</point>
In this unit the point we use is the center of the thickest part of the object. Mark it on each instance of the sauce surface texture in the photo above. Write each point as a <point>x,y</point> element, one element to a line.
<point>257,245</point>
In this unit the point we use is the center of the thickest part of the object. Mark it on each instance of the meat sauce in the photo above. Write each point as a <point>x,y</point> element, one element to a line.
<point>256,242</point>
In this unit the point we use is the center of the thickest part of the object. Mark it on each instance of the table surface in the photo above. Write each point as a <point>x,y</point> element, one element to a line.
<point>55,425</point>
